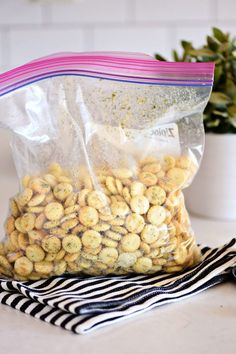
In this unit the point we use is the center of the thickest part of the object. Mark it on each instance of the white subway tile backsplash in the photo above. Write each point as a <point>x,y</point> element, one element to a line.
<point>89,11</point>
<point>26,45</point>
<point>226,9</point>
<point>20,12</point>
<point>137,39</point>
<point>175,10</point>
<point>33,28</point>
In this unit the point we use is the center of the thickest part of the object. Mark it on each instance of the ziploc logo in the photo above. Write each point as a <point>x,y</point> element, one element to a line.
<point>165,132</point>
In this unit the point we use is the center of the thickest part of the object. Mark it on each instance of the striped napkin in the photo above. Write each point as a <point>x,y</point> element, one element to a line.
<point>82,304</point>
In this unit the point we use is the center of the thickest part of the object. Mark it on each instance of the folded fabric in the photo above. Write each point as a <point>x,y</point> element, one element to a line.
<point>81,304</point>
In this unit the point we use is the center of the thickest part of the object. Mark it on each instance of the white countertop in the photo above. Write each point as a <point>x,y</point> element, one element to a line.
<point>202,324</point>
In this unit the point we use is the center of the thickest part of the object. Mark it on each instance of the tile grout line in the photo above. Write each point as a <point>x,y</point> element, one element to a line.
<point>146,24</point>
<point>214,10</point>
<point>46,11</point>
<point>130,12</point>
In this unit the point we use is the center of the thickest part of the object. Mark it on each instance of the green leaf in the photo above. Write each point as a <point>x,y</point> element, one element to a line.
<point>217,74</point>
<point>201,52</point>
<point>175,55</point>
<point>219,98</point>
<point>232,111</point>
<point>218,34</point>
<point>213,123</point>
<point>230,88</point>
<point>234,41</point>
<point>225,48</point>
<point>232,121</point>
<point>159,57</point>
<point>220,113</point>
<point>186,45</point>
<point>233,64</point>
<point>213,43</point>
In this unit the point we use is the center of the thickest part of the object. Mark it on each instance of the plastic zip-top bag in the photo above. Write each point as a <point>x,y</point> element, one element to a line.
<point>103,145</point>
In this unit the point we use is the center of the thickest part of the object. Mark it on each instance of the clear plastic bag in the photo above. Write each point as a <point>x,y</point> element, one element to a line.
<point>103,145</point>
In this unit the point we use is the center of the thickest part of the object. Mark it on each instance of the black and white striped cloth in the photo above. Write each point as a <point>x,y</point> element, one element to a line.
<point>82,304</point>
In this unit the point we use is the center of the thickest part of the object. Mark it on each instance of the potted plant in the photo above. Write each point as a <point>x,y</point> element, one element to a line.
<point>213,192</point>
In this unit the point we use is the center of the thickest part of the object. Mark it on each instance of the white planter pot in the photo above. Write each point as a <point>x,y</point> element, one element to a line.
<point>213,191</point>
